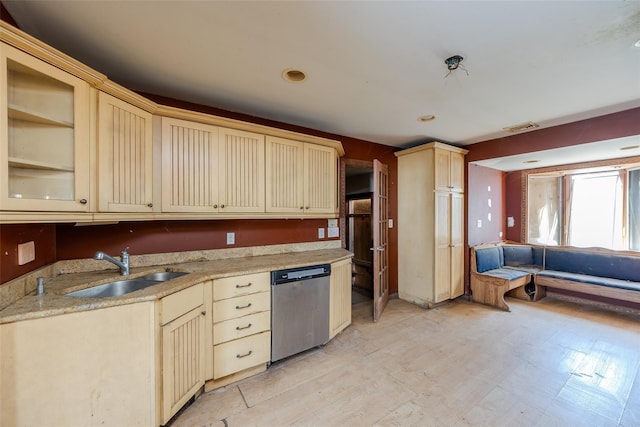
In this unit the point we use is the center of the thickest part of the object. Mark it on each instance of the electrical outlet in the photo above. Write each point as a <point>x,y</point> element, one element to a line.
<point>231,238</point>
<point>320,233</point>
<point>333,232</point>
<point>332,223</point>
<point>26,252</point>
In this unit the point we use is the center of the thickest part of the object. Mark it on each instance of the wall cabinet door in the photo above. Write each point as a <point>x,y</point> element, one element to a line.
<point>284,175</point>
<point>449,171</point>
<point>189,166</point>
<point>301,177</point>
<point>340,297</point>
<point>241,171</point>
<point>320,179</point>
<point>45,139</point>
<point>125,157</point>
<point>210,169</point>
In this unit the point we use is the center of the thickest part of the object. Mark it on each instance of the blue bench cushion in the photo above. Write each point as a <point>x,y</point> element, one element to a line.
<point>533,269</point>
<point>489,259</point>
<point>610,266</point>
<point>517,255</point>
<point>506,273</point>
<point>593,280</point>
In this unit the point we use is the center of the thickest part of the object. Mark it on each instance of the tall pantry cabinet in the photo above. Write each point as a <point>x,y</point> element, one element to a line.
<point>431,223</point>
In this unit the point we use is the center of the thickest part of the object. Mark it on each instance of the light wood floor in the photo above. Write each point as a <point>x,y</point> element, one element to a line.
<point>551,363</point>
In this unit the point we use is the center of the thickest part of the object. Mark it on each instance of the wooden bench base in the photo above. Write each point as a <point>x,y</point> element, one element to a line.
<point>587,288</point>
<point>491,290</point>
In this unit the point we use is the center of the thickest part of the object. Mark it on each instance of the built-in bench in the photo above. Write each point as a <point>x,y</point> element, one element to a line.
<point>602,272</point>
<point>525,271</point>
<point>499,269</point>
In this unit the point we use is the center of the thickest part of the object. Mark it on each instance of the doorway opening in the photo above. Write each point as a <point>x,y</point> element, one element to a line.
<point>359,232</point>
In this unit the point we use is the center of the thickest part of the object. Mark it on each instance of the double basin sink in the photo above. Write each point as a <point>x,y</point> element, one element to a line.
<point>122,287</point>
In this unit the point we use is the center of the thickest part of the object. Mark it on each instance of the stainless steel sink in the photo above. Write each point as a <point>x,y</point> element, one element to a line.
<point>163,276</point>
<point>122,287</point>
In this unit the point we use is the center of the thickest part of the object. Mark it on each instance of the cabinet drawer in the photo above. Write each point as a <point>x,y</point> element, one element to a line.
<point>230,287</point>
<point>241,327</point>
<point>235,356</point>
<point>175,305</point>
<point>241,306</point>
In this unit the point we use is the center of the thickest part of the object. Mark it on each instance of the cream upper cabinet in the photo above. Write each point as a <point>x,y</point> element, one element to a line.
<point>210,169</point>
<point>340,297</point>
<point>285,175</point>
<point>449,171</point>
<point>241,173</point>
<point>431,223</point>
<point>301,177</point>
<point>45,136</point>
<point>125,157</point>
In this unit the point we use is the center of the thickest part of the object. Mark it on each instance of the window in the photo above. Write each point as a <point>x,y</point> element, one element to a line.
<point>585,208</point>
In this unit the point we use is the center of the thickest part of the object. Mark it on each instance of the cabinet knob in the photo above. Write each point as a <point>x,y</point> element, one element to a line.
<point>306,207</point>
<point>221,206</point>
<point>215,206</point>
<point>149,205</point>
<point>301,207</point>
<point>83,201</point>
<point>203,312</point>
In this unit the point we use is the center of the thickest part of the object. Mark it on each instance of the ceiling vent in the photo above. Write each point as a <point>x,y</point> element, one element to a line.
<point>521,127</point>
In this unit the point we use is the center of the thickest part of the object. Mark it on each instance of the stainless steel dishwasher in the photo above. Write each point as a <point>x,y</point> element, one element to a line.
<point>299,309</point>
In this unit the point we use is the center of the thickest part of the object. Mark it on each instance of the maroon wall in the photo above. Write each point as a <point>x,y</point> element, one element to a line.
<point>513,205</point>
<point>616,125</point>
<point>11,235</point>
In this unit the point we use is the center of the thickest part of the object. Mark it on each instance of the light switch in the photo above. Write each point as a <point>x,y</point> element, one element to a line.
<point>511,221</point>
<point>479,223</point>
<point>332,223</point>
<point>390,223</point>
<point>26,252</point>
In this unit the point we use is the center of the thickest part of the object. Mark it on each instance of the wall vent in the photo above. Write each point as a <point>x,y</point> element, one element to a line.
<point>521,127</point>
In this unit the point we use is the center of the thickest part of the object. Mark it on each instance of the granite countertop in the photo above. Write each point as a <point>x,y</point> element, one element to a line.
<point>54,302</point>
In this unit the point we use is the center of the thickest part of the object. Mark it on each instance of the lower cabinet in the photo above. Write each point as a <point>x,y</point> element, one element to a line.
<point>183,348</point>
<point>92,367</point>
<point>340,297</point>
<point>241,323</point>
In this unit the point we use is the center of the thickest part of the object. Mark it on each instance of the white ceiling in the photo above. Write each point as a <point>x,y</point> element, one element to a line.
<point>373,67</point>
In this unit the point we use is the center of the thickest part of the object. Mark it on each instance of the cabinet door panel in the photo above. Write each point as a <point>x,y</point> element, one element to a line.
<point>189,166</point>
<point>125,157</point>
<point>182,361</point>
<point>340,299</point>
<point>285,180</point>
<point>442,170</point>
<point>457,172</point>
<point>442,270</point>
<point>320,179</point>
<point>457,245</point>
<point>241,171</point>
<point>45,139</point>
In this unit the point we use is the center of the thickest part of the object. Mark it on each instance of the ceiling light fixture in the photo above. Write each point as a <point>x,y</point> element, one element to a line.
<point>521,127</point>
<point>428,118</point>
<point>294,76</point>
<point>453,63</point>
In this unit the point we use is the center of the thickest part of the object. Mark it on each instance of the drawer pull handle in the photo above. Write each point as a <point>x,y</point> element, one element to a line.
<point>240,356</point>
<point>239,328</point>
<point>244,306</point>
<point>243,286</point>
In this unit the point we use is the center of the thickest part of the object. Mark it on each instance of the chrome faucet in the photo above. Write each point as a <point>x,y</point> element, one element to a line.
<point>123,264</point>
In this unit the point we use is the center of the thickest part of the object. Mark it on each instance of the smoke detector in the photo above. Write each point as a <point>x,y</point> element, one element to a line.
<point>521,127</point>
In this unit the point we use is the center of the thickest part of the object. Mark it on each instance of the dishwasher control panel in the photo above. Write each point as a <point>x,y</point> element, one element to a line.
<point>302,273</point>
